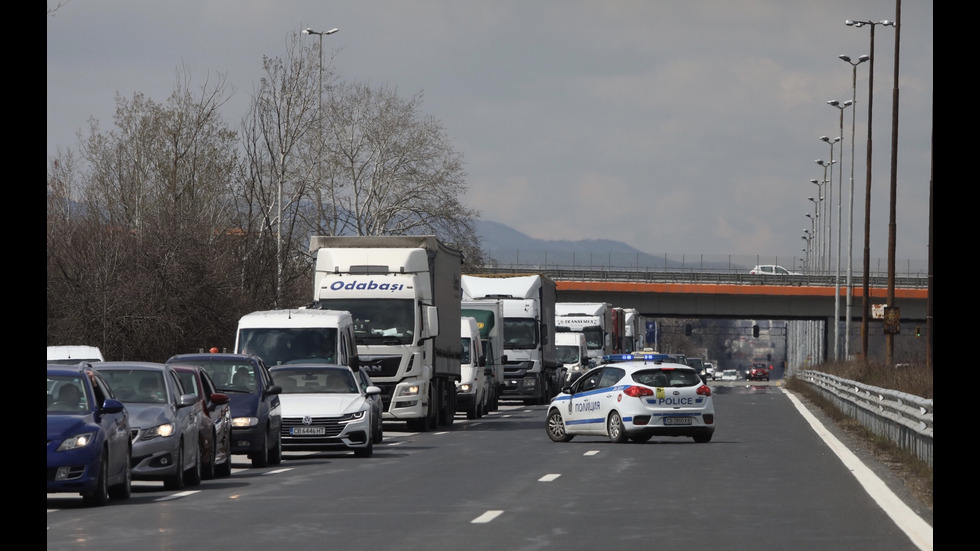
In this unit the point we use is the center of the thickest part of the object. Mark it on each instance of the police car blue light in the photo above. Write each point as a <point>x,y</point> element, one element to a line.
<point>634,397</point>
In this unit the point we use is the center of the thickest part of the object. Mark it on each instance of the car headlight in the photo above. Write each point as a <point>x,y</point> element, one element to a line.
<point>356,416</point>
<point>163,431</point>
<point>464,388</point>
<point>76,442</point>
<point>243,422</point>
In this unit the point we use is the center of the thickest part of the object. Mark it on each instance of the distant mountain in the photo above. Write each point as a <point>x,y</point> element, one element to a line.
<point>508,246</point>
<point>497,236</point>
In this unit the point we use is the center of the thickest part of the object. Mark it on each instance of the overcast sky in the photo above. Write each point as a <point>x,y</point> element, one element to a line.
<point>678,127</point>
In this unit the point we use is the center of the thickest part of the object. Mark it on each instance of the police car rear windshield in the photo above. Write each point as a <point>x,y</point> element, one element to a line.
<point>668,377</point>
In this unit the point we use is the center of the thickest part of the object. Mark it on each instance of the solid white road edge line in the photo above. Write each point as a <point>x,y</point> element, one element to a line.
<point>912,524</point>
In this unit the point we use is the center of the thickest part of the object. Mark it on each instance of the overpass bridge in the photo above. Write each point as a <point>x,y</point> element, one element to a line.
<point>740,296</point>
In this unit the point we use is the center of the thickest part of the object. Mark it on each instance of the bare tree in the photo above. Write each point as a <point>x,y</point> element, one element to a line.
<point>393,169</point>
<point>275,132</point>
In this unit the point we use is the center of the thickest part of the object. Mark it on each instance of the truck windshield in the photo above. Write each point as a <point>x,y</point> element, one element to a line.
<point>378,320</point>
<point>280,345</point>
<point>520,333</point>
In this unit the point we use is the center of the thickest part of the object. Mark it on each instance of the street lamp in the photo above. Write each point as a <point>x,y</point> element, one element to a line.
<point>825,166</point>
<point>830,201</point>
<point>867,189</point>
<point>840,177</point>
<point>850,219</point>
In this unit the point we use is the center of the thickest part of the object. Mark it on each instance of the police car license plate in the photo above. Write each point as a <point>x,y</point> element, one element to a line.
<point>677,420</point>
<point>307,431</point>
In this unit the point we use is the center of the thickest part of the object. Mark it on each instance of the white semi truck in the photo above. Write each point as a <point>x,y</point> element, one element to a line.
<point>489,315</point>
<point>404,295</point>
<point>531,372</point>
<point>593,319</point>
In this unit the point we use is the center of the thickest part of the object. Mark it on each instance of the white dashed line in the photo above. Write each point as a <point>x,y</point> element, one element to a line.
<point>486,517</point>
<point>178,495</point>
<point>591,452</point>
<point>548,477</point>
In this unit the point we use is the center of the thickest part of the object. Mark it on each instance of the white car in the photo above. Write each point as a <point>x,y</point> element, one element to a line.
<point>772,269</point>
<point>324,408</point>
<point>729,375</point>
<point>636,397</point>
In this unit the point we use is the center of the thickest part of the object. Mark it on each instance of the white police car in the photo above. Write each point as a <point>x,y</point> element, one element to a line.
<point>635,397</point>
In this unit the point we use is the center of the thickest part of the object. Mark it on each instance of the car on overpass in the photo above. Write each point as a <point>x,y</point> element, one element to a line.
<point>772,269</point>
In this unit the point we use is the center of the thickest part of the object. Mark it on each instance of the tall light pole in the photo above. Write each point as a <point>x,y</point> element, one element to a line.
<point>319,99</point>
<point>850,202</point>
<point>840,177</point>
<point>830,201</point>
<point>866,299</point>
<point>826,165</point>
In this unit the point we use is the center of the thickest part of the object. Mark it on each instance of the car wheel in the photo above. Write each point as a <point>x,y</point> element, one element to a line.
<point>275,454</point>
<point>260,458</point>
<point>615,428</point>
<point>555,426</point>
<point>100,494</point>
<point>176,480</point>
<point>124,489</point>
<point>193,475</point>
<point>208,460</point>
<point>365,451</point>
<point>377,435</point>
<point>641,438</point>
<point>703,438</point>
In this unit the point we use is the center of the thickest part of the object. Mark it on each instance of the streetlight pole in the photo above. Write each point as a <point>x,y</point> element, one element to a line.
<point>850,202</point>
<point>826,165</point>
<point>866,299</point>
<point>840,178</point>
<point>889,336</point>
<point>830,201</point>
<point>319,102</point>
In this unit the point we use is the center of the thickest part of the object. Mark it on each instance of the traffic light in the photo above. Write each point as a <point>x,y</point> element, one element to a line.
<point>687,330</point>
<point>918,331</point>
<point>755,331</point>
<point>768,357</point>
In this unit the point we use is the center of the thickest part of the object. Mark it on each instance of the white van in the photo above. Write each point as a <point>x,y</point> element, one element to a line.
<point>72,354</point>
<point>572,351</point>
<point>282,336</point>
<point>472,389</point>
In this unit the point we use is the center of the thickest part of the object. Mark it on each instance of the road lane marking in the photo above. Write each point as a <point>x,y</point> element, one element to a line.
<point>178,495</point>
<point>277,471</point>
<point>592,452</point>
<point>486,517</point>
<point>548,477</point>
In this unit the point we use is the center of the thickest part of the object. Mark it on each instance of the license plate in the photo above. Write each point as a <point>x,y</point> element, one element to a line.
<point>677,420</point>
<point>307,431</point>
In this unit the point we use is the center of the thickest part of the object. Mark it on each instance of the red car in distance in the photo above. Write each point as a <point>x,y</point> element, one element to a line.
<point>758,372</point>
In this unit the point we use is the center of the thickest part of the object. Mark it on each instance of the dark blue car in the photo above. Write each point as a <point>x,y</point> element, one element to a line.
<point>89,449</point>
<point>255,410</point>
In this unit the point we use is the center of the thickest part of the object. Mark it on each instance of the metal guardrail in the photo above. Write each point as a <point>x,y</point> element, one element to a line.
<point>903,418</point>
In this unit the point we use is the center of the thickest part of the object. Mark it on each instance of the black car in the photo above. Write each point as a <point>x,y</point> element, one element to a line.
<point>255,410</point>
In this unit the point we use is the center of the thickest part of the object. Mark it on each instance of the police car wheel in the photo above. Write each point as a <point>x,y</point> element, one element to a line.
<point>641,438</point>
<point>615,428</point>
<point>556,427</point>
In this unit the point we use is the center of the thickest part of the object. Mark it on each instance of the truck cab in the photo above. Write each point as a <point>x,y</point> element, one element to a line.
<point>572,351</point>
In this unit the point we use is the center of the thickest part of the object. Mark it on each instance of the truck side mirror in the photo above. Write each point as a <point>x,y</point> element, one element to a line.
<point>482,361</point>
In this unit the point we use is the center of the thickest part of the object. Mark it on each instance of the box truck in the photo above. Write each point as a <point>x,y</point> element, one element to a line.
<point>531,372</point>
<point>404,295</point>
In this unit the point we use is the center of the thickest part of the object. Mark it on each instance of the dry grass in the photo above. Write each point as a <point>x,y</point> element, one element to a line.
<point>916,380</point>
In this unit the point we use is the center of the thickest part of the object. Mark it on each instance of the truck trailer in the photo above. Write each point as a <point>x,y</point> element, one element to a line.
<point>404,295</point>
<point>531,371</point>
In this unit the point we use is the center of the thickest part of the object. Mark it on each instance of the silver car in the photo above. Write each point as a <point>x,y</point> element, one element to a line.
<point>163,421</point>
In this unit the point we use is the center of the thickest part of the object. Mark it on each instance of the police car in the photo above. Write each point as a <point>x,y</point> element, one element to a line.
<point>634,397</point>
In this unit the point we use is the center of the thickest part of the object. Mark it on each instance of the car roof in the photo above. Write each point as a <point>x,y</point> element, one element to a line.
<point>309,365</point>
<point>128,365</point>
<point>198,356</point>
<point>636,365</point>
<point>66,369</point>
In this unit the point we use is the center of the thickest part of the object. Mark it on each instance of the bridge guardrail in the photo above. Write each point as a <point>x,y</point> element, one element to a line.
<point>903,418</point>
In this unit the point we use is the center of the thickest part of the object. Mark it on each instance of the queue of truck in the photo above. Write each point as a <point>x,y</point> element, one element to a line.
<point>435,340</point>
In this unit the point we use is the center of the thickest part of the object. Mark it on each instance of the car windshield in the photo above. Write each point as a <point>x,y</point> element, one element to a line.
<point>667,377</point>
<point>143,386</point>
<point>302,380</point>
<point>229,375</point>
<point>66,394</point>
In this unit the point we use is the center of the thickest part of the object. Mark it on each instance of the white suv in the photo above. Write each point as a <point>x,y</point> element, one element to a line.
<point>771,269</point>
